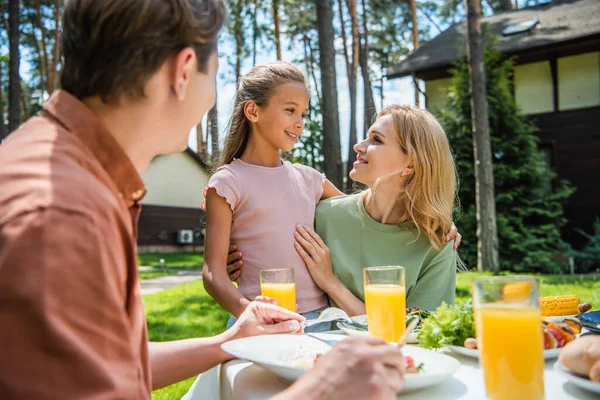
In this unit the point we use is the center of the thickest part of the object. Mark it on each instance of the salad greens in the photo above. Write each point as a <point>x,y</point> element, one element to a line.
<point>449,325</point>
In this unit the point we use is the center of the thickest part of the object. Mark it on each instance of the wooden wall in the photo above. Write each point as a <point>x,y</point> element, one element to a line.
<point>574,139</point>
<point>158,225</point>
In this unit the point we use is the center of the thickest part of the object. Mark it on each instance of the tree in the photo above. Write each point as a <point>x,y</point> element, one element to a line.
<point>277,30</point>
<point>213,129</point>
<point>487,232</point>
<point>415,40</point>
<point>14,83</point>
<point>332,164</point>
<point>529,205</point>
<point>369,103</point>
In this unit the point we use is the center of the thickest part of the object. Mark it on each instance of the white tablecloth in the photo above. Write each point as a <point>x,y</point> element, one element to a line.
<point>241,380</point>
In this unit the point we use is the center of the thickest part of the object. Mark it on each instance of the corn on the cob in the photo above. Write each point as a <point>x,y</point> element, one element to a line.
<point>517,291</point>
<point>559,305</point>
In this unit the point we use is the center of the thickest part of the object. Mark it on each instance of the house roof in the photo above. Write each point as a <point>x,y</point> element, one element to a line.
<point>559,21</point>
<point>198,159</point>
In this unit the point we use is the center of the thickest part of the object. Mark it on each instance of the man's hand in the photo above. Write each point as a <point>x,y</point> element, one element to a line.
<point>453,234</point>
<point>262,318</point>
<point>357,368</point>
<point>234,263</point>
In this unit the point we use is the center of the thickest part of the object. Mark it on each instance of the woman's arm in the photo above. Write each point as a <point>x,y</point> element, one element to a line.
<point>329,190</point>
<point>316,256</point>
<point>214,275</point>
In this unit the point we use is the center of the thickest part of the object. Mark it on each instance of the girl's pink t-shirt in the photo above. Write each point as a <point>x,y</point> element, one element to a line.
<point>268,204</point>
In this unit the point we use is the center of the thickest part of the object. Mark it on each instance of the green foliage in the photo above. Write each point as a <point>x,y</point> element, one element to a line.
<point>587,259</point>
<point>529,203</point>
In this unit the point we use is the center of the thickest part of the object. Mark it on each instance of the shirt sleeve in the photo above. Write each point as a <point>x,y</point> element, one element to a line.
<point>436,282</point>
<point>226,185</point>
<point>315,180</point>
<point>65,329</point>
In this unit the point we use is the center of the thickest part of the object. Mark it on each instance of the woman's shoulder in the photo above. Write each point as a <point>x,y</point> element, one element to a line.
<point>338,205</point>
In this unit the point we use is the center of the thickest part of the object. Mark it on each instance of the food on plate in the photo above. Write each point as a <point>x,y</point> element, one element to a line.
<point>559,305</point>
<point>471,343</point>
<point>556,334</point>
<point>308,359</point>
<point>449,325</point>
<point>411,368</point>
<point>584,307</point>
<point>582,357</point>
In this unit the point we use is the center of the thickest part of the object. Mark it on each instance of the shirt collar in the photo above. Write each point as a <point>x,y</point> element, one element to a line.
<point>77,118</point>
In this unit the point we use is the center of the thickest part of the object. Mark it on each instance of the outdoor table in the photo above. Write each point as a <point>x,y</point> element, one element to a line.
<point>242,380</point>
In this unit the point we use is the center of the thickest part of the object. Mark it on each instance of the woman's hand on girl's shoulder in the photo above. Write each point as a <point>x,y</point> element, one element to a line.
<point>454,234</point>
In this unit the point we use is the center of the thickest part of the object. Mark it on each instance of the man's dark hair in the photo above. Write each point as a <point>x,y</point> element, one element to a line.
<point>112,47</point>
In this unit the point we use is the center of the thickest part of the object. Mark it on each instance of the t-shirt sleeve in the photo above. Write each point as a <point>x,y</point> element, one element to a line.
<point>226,185</point>
<point>436,282</point>
<point>315,180</point>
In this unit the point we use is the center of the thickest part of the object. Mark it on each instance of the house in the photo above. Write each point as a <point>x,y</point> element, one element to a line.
<point>171,218</point>
<point>556,47</point>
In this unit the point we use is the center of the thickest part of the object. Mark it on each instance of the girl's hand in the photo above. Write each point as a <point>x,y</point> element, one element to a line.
<point>454,234</point>
<point>315,255</point>
<point>234,263</point>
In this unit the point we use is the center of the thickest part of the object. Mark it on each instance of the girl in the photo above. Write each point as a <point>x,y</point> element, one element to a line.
<point>257,199</point>
<point>399,220</point>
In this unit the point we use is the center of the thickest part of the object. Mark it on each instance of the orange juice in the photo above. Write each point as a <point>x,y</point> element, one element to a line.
<point>386,311</point>
<point>285,293</point>
<point>511,346</point>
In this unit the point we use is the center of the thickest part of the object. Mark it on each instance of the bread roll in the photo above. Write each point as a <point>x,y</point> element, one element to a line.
<point>582,356</point>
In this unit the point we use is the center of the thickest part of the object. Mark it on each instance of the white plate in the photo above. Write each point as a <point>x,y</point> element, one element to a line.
<point>577,380</point>
<point>474,353</point>
<point>274,352</point>
<point>362,319</point>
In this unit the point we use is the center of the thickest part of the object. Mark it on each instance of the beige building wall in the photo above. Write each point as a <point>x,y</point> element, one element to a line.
<point>436,93</point>
<point>533,88</point>
<point>175,180</point>
<point>579,81</point>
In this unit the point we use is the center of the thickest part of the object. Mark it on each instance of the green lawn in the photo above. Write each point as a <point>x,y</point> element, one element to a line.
<point>187,311</point>
<point>152,274</point>
<point>182,312</point>
<point>173,260</point>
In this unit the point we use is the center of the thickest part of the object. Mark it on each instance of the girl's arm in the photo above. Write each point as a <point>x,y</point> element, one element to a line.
<point>216,246</point>
<point>316,256</point>
<point>329,190</point>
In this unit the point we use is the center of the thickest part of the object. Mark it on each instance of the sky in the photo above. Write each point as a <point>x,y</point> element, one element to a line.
<point>396,91</point>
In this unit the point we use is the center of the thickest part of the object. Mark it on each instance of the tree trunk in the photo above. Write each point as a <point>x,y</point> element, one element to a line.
<point>331,131</point>
<point>14,79</point>
<point>487,235</point>
<point>49,76</point>
<point>254,31</point>
<point>200,139</point>
<point>415,39</point>
<point>352,84</point>
<point>2,126</point>
<point>238,33</point>
<point>213,129</point>
<point>369,102</point>
<point>56,48</point>
<point>277,33</point>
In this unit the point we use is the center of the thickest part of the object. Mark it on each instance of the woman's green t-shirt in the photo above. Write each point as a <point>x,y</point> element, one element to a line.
<point>357,241</point>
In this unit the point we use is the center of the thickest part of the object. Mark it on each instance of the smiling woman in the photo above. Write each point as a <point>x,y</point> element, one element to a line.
<point>402,218</point>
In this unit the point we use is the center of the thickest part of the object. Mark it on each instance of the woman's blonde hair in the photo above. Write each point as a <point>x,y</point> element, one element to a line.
<point>430,191</point>
<point>259,86</point>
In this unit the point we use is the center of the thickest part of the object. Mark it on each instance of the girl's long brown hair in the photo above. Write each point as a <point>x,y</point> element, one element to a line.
<point>258,86</point>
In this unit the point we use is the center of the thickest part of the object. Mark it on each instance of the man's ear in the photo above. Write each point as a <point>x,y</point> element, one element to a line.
<point>251,111</point>
<point>184,65</point>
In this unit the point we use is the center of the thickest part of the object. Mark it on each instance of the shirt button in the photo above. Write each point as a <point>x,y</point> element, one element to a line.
<point>137,194</point>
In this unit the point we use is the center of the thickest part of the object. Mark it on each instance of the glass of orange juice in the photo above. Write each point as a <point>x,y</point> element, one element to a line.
<point>509,336</point>
<point>279,284</point>
<point>385,300</point>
